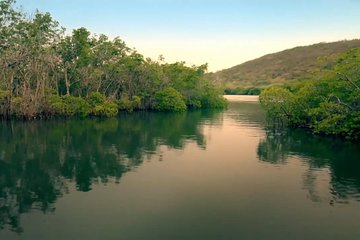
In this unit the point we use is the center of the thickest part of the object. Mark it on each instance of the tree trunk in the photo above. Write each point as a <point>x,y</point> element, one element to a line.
<point>67,83</point>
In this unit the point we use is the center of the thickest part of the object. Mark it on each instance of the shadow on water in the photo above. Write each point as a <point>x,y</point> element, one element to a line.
<point>339,158</point>
<point>37,159</point>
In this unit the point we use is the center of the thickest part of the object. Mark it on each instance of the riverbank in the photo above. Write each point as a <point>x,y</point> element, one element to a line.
<point>97,105</point>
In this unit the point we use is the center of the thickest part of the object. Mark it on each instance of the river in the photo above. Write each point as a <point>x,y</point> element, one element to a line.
<point>195,175</point>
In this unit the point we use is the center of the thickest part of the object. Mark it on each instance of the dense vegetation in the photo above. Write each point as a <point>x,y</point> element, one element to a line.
<point>279,68</point>
<point>243,91</point>
<point>45,73</point>
<point>327,104</point>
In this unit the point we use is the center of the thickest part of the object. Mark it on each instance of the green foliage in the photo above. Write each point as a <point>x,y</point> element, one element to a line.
<point>4,95</point>
<point>76,106</point>
<point>211,98</point>
<point>4,102</point>
<point>136,102</point>
<point>129,105</point>
<point>96,98</point>
<point>95,105</point>
<point>100,106</point>
<point>194,101</point>
<point>69,106</point>
<point>56,105</point>
<point>329,104</point>
<point>125,105</point>
<point>281,104</point>
<point>106,109</point>
<point>169,99</point>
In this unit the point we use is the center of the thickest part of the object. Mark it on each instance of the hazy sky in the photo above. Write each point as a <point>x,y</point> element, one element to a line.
<point>222,33</point>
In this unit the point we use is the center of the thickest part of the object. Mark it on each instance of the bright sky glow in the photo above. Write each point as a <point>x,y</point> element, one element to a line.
<point>222,33</point>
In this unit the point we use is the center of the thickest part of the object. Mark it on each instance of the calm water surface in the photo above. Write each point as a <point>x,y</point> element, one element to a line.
<point>198,175</point>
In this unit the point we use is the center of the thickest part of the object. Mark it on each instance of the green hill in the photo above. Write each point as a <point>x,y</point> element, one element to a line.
<point>279,68</point>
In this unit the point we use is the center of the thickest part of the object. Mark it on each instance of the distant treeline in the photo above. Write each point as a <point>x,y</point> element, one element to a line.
<point>46,73</point>
<point>329,103</point>
<point>243,91</point>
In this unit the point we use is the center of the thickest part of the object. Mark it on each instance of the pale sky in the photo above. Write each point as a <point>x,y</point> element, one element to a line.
<point>222,33</point>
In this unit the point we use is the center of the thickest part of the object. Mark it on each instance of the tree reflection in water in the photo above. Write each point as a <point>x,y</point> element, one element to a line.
<point>339,158</point>
<point>37,159</point>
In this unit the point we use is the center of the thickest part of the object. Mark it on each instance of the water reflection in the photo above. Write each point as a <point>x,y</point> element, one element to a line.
<point>248,114</point>
<point>338,159</point>
<point>205,195</point>
<point>37,159</point>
